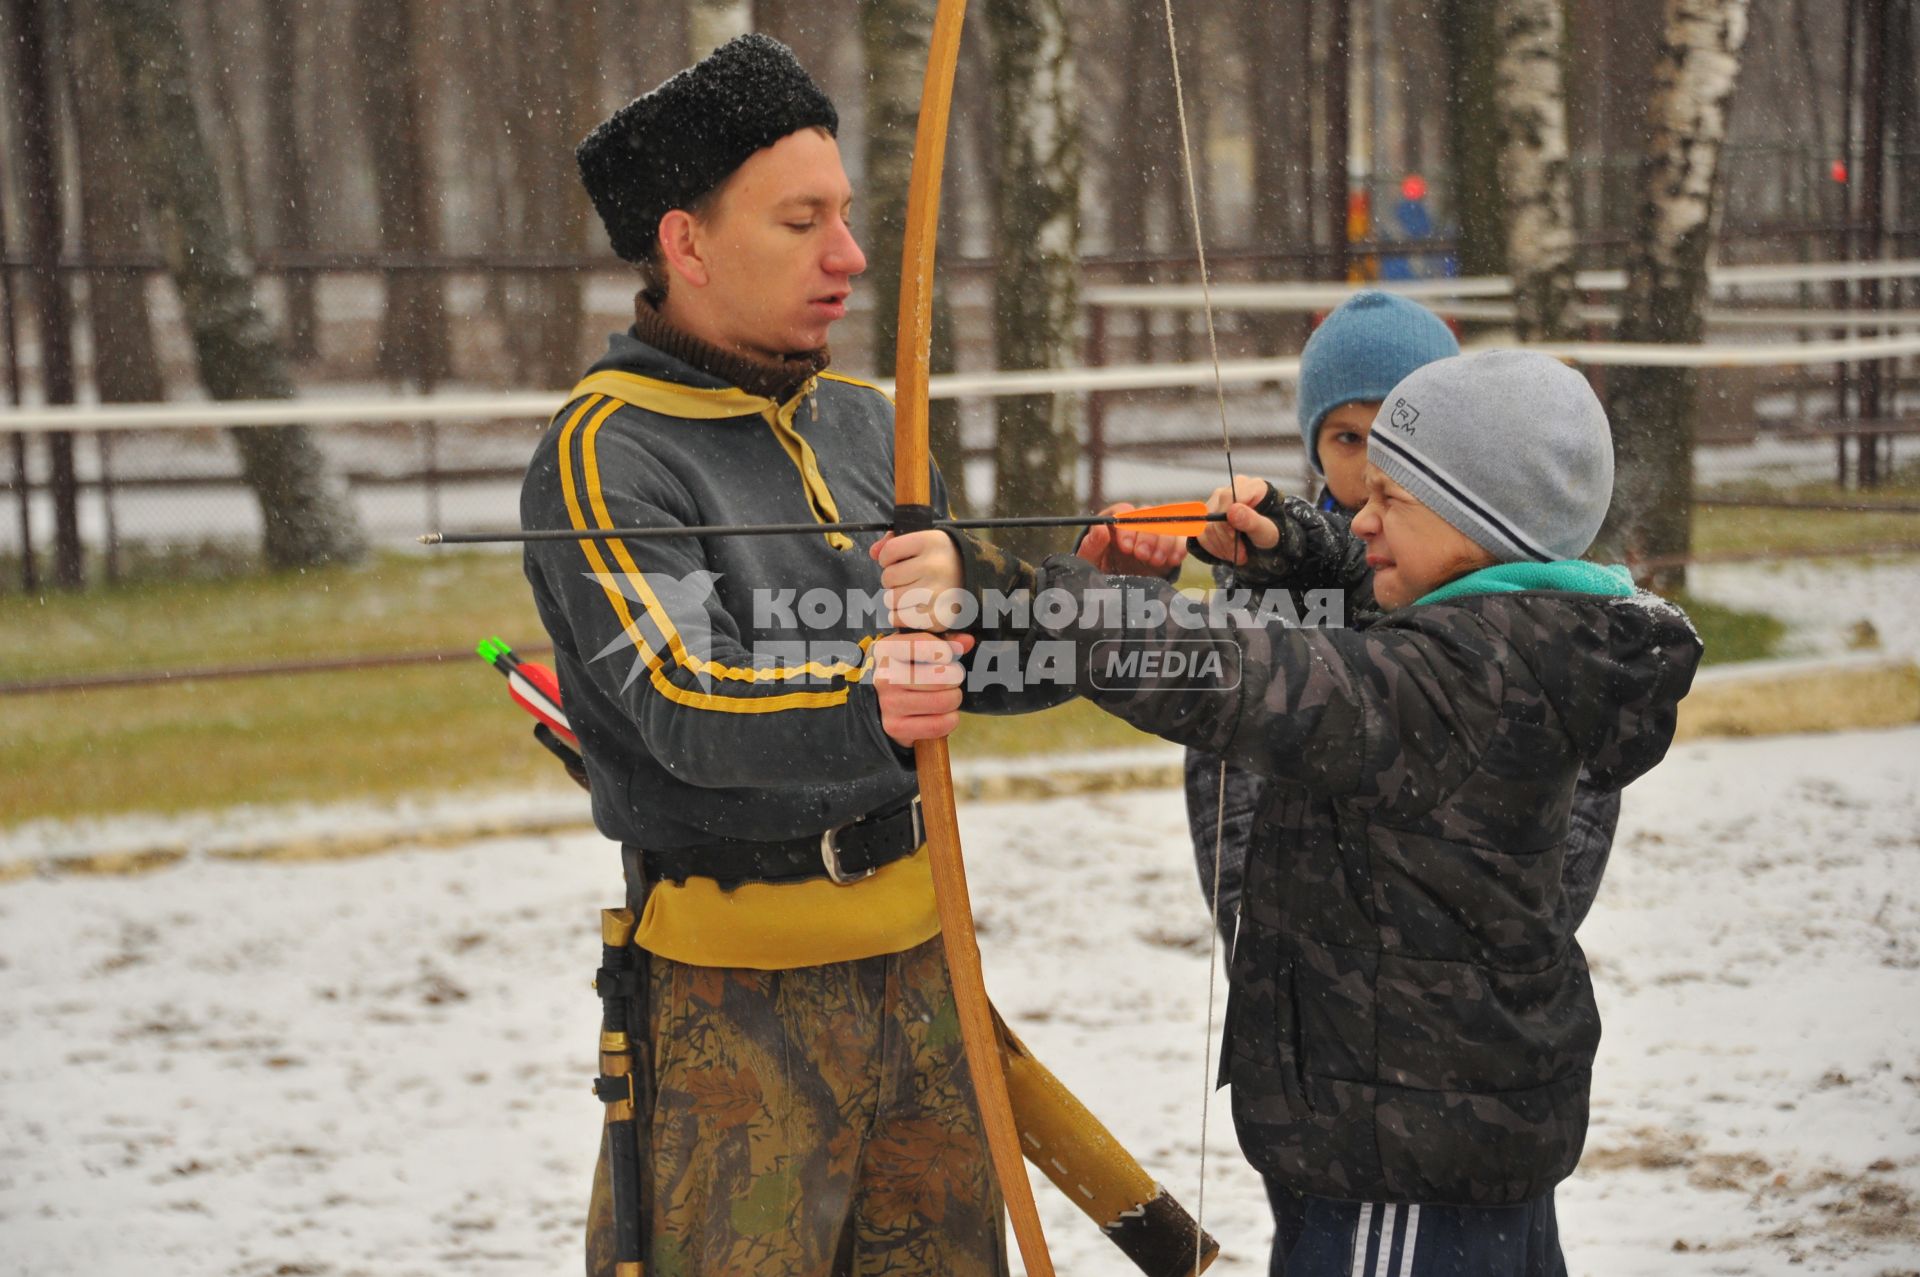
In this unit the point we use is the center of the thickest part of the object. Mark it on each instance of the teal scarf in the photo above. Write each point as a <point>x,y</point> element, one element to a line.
<point>1572,575</point>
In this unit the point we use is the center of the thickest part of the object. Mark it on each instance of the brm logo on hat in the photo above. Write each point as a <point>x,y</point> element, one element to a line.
<point>1403,416</point>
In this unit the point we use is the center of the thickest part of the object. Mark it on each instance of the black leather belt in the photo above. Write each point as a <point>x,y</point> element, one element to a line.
<point>843,854</point>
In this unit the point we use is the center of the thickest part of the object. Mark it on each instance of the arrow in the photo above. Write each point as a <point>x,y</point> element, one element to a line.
<point>1181,519</point>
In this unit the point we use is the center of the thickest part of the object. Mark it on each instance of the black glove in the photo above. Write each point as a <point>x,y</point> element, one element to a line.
<point>1316,551</point>
<point>1262,566</point>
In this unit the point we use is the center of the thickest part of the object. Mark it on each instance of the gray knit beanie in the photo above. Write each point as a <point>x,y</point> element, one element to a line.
<point>1509,446</point>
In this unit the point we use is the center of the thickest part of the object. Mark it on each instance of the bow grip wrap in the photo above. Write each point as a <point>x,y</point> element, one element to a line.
<point>909,518</point>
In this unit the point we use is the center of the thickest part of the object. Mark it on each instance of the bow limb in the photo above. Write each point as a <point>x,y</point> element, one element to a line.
<point>913,488</point>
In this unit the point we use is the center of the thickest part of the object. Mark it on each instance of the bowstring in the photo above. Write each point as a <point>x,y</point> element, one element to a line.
<point>1226,444</point>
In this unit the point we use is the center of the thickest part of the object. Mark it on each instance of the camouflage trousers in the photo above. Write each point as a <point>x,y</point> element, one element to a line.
<point>813,1121</point>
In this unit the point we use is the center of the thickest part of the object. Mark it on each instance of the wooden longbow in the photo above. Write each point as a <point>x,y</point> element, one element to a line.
<point>912,487</point>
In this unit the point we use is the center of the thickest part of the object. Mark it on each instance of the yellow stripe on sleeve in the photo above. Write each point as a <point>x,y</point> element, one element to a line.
<point>657,674</point>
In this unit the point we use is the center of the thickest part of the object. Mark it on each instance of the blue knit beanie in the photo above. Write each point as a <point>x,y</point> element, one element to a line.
<point>1360,352</point>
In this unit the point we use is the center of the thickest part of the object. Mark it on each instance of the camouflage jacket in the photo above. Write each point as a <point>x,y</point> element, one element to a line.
<point>1411,1019</point>
<point>1318,551</point>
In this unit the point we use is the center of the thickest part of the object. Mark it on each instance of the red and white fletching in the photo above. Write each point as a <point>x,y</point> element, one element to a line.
<point>538,692</point>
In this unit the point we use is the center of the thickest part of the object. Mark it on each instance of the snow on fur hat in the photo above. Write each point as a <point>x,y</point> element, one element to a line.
<point>1360,352</point>
<point>667,148</point>
<point>1509,446</point>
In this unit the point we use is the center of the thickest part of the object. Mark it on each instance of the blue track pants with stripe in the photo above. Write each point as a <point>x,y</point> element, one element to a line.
<point>1318,1237</point>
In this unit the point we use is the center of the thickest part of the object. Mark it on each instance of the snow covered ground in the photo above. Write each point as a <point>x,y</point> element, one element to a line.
<point>1825,602</point>
<point>380,1065</point>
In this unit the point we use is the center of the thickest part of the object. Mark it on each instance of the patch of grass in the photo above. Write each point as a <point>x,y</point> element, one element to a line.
<point>290,738</point>
<point>1722,529</point>
<point>296,738</point>
<point>392,603</point>
<point>1807,701</point>
<point>1731,634</point>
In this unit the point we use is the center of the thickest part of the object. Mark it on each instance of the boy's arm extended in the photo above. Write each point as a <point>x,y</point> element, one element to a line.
<point>1381,713</point>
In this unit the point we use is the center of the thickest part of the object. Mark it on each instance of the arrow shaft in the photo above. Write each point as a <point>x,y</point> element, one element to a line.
<point>796,529</point>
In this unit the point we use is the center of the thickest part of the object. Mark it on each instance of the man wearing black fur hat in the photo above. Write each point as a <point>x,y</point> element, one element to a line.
<point>811,1108</point>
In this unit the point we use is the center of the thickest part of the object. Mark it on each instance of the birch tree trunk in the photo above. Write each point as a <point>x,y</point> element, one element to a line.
<point>711,23</point>
<point>307,523</point>
<point>1653,409</point>
<point>1037,250</point>
<point>1532,105</point>
<point>895,35</point>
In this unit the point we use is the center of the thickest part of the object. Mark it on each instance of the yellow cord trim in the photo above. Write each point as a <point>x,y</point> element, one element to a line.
<point>692,403</point>
<point>657,675</point>
<point>855,381</point>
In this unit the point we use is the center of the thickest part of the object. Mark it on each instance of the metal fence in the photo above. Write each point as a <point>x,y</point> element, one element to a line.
<point>163,480</point>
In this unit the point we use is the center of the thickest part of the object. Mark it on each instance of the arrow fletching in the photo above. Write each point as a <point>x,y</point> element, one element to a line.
<point>1181,519</point>
<point>534,687</point>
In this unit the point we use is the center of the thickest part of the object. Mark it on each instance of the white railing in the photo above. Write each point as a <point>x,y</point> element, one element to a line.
<point>1447,295</point>
<point>1113,377</point>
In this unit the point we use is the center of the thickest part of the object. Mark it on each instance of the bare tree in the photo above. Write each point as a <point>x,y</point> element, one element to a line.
<point>1473,122</point>
<point>1903,113</point>
<point>1532,106</point>
<point>33,92</point>
<point>413,343</point>
<point>306,522</point>
<point>1273,41</point>
<point>547,110</point>
<point>126,368</point>
<point>216,38</point>
<point>1037,249</point>
<point>288,176</point>
<point>1653,409</point>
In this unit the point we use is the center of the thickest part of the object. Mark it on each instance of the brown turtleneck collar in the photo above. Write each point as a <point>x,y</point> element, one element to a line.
<point>775,379</point>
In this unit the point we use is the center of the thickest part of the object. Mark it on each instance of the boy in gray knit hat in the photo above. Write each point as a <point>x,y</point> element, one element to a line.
<point>1313,551</point>
<point>1439,436</point>
<point>1412,1029</point>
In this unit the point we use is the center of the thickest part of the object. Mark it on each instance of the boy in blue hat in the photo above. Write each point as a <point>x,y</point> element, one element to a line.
<point>1357,354</point>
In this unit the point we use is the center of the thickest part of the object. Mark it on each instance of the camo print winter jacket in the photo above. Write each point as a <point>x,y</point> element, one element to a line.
<point>1411,1019</point>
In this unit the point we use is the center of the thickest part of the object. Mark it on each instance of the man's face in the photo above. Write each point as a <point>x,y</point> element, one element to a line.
<point>780,254</point>
<point>1411,550</point>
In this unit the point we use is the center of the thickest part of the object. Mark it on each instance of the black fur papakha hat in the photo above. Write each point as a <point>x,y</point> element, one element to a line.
<point>666,149</point>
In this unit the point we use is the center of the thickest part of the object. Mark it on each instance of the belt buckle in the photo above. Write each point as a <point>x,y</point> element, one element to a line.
<point>830,848</point>
<point>830,858</point>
